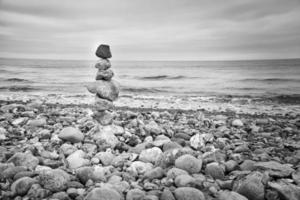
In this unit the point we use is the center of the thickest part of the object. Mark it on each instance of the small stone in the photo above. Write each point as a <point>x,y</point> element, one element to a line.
<point>153,127</point>
<point>275,168</point>
<point>106,158</point>
<point>54,180</point>
<point>76,159</point>
<point>104,75</point>
<point>103,51</point>
<point>104,193</point>
<point>198,141</point>
<point>171,145</point>
<point>215,170</point>
<point>103,64</point>
<point>188,193</point>
<point>138,167</point>
<point>135,194</point>
<point>251,186</point>
<point>105,138</point>
<point>37,122</point>
<point>237,123</point>
<point>160,140</point>
<point>184,180</point>
<point>71,134</point>
<point>230,195</point>
<point>174,172</point>
<point>104,117</point>
<point>189,163</point>
<point>247,165</point>
<point>24,159</point>
<point>11,171</point>
<point>67,149</point>
<point>155,173</point>
<point>230,165</point>
<point>101,105</point>
<point>150,155</point>
<point>37,192</point>
<point>104,89</point>
<point>167,195</point>
<point>22,185</point>
<point>3,133</point>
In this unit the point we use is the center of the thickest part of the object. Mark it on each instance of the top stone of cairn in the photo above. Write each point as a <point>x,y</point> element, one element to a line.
<point>103,51</point>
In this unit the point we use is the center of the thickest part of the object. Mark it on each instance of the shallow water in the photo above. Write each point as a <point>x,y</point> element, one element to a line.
<point>263,78</point>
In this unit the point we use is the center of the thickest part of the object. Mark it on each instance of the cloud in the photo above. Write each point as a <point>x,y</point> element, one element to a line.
<point>150,30</point>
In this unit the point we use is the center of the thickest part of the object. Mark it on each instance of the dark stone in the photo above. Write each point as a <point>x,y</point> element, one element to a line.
<point>103,51</point>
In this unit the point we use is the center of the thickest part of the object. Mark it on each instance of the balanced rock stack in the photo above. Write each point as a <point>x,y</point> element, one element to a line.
<point>104,87</point>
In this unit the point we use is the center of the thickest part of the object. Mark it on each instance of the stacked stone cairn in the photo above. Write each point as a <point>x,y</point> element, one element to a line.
<point>105,89</point>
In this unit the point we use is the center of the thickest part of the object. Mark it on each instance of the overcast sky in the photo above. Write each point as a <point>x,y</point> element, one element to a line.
<point>150,29</point>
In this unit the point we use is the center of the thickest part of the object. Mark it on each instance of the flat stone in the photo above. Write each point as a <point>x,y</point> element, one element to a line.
<point>71,134</point>
<point>37,122</point>
<point>286,190</point>
<point>150,155</point>
<point>104,117</point>
<point>174,172</point>
<point>160,140</point>
<point>189,163</point>
<point>251,186</point>
<point>103,51</point>
<point>103,194</point>
<point>103,64</point>
<point>22,185</point>
<point>275,168</point>
<point>184,180</point>
<point>24,159</point>
<point>101,105</point>
<point>104,89</point>
<point>230,195</point>
<point>188,193</point>
<point>54,180</point>
<point>104,75</point>
<point>155,173</point>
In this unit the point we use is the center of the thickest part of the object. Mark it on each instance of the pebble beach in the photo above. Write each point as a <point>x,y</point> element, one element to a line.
<point>55,150</point>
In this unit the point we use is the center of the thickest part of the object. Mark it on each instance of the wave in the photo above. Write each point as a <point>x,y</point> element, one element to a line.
<point>18,88</point>
<point>271,80</point>
<point>142,90</point>
<point>162,77</point>
<point>16,80</point>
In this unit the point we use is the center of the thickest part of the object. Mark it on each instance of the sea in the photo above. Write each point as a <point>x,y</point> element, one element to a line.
<point>251,78</point>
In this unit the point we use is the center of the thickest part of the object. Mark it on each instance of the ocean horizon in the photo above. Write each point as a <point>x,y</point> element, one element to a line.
<point>253,78</point>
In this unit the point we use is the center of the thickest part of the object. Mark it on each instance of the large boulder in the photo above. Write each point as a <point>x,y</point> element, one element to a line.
<point>54,180</point>
<point>71,134</point>
<point>104,193</point>
<point>103,51</point>
<point>188,193</point>
<point>104,89</point>
<point>189,163</point>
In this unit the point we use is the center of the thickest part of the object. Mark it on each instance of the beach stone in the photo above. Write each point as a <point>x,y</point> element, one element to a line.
<point>135,194</point>
<point>215,170</point>
<point>230,195</point>
<point>230,165</point>
<point>188,193</point>
<point>54,180</point>
<point>101,173</point>
<point>247,165</point>
<point>189,163</point>
<point>71,134</point>
<point>37,122</point>
<point>287,191</point>
<point>275,168</point>
<point>160,140</point>
<point>67,149</point>
<point>101,105</point>
<point>251,186</point>
<point>184,180</point>
<point>296,176</point>
<point>167,195</point>
<point>3,133</point>
<point>24,159</point>
<point>104,117</point>
<point>76,159</point>
<point>103,64</point>
<point>174,172</point>
<point>10,172</point>
<point>103,51</point>
<point>104,193</point>
<point>139,167</point>
<point>61,196</point>
<point>155,173</point>
<point>171,145</point>
<point>84,174</point>
<point>198,141</point>
<point>37,192</point>
<point>106,158</point>
<point>105,138</point>
<point>150,155</point>
<point>22,185</point>
<point>237,123</point>
<point>104,89</point>
<point>104,75</point>
<point>153,128</point>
